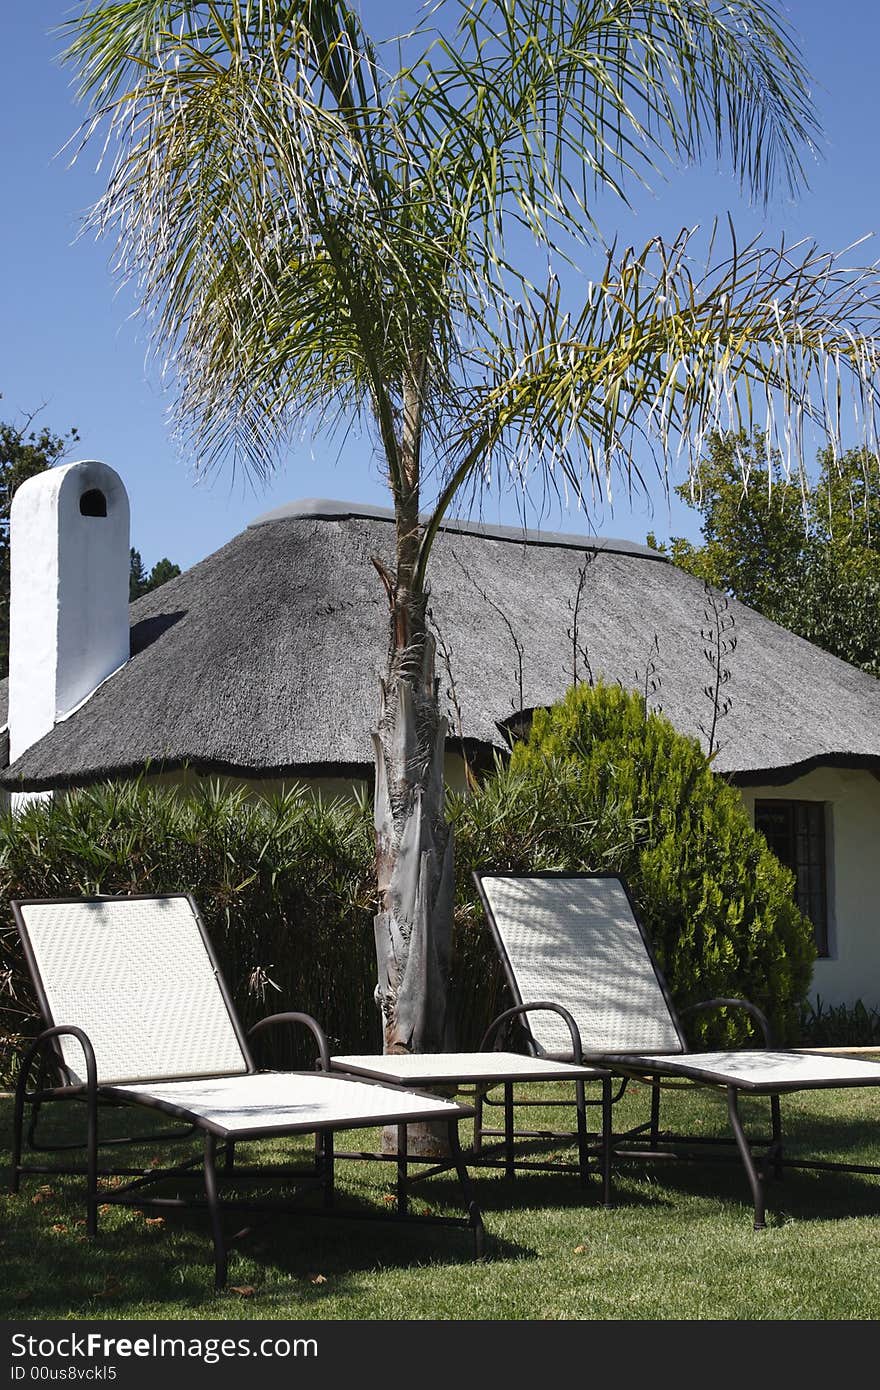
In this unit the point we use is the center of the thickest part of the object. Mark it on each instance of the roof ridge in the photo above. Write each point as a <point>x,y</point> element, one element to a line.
<point>327,509</point>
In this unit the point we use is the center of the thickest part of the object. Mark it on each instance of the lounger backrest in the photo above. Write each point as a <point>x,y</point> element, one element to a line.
<point>574,940</point>
<point>137,975</point>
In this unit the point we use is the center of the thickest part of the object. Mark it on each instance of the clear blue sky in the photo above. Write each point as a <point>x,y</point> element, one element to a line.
<point>67,339</point>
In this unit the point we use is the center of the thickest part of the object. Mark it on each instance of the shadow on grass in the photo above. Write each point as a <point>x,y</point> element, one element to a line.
<point>802,1194</point>
<point>303,1266</point>
<point>560,1192</point>
<point>838,1125</point>
<point>51,1269</point>
<point>145,1257</point>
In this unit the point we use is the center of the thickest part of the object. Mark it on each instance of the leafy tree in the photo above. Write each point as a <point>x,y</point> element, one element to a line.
<point>753,535</point>
<point>162,571</point>
<point>326,229</point>
<point>24,452</point>
<point>839,606</point>
<point>141,583</point>
<point>806,555</point>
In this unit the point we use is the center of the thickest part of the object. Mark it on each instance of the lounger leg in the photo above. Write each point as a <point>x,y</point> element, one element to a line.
<point>478,1119</point>
<point>464,1177</point>
<point>229,1156</point>
<point>745,1153</point>
<point>91,1164</point>
<point>655,1112</point>
<point>776,1121</point>
<point>35,1105</point>
<point>17,1132</point>
<point>402,1188</point>
<point>580,1093</point>
<point>214,1211</point>
<point>328,1167</point>
<point>607,1121</point>
<point>509,1167</point>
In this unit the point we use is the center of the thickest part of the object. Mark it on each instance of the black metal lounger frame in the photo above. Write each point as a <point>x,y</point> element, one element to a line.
<point>93,1094</point>
<point>507,1022</point>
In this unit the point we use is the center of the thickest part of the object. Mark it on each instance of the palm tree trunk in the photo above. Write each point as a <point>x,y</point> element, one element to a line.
<point>414,844</point>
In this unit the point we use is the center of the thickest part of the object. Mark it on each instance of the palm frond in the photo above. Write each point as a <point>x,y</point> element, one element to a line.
<point>663,353</point>
<point>535,105</point>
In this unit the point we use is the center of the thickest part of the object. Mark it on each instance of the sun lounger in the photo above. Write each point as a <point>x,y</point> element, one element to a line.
<point>137,1013</point>
<point>576,939</point>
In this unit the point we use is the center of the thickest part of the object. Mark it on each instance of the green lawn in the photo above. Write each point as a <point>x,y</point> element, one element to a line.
<point>678,1245</point>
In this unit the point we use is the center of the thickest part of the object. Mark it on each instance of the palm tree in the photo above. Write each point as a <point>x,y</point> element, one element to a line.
<point>324,228</point>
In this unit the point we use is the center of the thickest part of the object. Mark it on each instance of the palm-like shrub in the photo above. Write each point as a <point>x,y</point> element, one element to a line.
<point>283,885</point>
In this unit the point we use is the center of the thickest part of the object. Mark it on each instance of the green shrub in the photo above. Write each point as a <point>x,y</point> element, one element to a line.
<point>597,785</point>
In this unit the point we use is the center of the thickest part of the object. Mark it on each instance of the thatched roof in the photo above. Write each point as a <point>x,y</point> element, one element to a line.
<point>263,660</point>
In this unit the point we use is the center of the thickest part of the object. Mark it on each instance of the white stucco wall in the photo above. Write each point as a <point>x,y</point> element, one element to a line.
<point>852,802</point>
<point>330,788</point>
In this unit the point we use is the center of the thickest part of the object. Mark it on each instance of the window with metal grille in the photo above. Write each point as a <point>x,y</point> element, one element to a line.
<point>795,831</point>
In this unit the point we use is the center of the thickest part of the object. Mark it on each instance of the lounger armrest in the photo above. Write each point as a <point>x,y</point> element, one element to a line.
<point>60,1030</point>
<point>497,1023</point>
<point>308,1022</point>
<point>750,1008</point>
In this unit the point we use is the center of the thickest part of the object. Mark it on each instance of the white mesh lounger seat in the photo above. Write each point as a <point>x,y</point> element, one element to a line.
<point>576,939</point>
<point>136,1012</point>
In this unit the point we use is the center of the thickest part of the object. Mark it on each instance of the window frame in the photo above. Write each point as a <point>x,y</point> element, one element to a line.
<point>798,835</point>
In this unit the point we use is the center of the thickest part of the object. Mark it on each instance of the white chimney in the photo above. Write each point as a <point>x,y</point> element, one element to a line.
<point>68,611</point>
